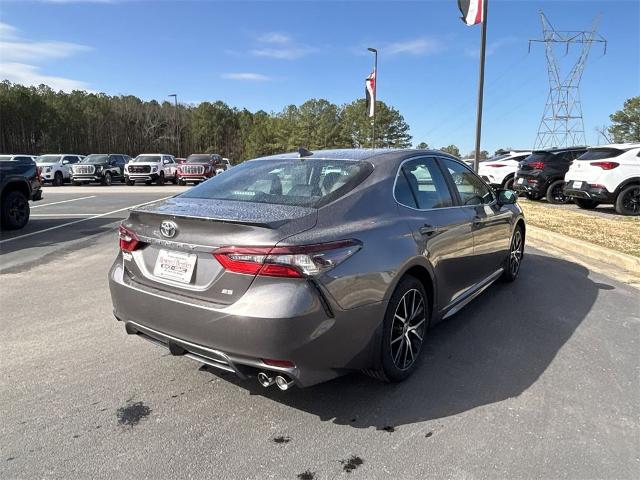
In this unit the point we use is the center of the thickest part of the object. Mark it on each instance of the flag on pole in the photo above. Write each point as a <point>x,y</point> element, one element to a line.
<point>370,92</point>
<point>472,11</point>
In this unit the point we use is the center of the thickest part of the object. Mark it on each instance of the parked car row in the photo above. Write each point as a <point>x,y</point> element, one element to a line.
<point>588,176</point>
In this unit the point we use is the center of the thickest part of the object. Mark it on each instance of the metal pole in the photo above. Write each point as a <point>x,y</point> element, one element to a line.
<point>177,116</point>
<point>375,94</point>
<point>483,45</point>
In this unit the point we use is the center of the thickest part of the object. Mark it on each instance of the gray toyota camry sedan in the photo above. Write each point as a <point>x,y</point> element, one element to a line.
<point>297,268</point>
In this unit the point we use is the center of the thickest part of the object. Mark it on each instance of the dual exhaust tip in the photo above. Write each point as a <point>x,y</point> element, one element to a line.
<point>266,380</point>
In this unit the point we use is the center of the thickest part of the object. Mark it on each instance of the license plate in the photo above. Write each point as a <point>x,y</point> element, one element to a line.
<point>577,184</point>
<point>175,266</point>
<point>520,181</point>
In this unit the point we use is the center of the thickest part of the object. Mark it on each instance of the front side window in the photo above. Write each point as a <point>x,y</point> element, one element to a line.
<point>289,181</point>
<point>472,190</point>
<point>420,184</point>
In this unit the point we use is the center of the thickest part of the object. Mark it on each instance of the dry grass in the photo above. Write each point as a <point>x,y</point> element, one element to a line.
<point>617,233</point>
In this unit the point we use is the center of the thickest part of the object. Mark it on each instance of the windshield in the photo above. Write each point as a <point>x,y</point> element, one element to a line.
<point>146,158</point>
<point>96,158</point>
<point>48,158</point>
<point>600,153</point>
<point>198,158</point>
<point>308,183</point>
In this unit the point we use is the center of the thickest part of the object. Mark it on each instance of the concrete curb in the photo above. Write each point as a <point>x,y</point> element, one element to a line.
<point>586,249</point>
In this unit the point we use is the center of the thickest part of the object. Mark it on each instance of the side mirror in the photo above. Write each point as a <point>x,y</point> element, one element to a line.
<point>506,197</point>
<point>65,162</point>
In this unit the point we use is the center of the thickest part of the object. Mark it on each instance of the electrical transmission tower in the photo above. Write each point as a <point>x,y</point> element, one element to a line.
<point>562,124</point>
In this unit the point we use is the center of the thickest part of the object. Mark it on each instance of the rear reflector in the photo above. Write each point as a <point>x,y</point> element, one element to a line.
<point>496,165</point>
<point>278,363</point>
<point>291,262</point>
<point>605,165</point>
<point>129,241</point>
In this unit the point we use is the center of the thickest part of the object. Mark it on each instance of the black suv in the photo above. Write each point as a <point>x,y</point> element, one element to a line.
<point>100,167</point>
<point>541,174</point>
<point>19,183</point>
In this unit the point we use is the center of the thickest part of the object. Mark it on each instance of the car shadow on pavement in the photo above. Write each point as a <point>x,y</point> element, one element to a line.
<point>494,349</point>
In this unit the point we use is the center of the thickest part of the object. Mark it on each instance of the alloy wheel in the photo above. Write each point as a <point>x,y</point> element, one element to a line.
<point>631,201</point>
<point>515,255</point>
<point>18,210</point>
<point>558,194</point>
<point>408,329</point>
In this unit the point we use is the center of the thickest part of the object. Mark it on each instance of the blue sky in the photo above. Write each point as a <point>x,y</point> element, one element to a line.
<point>265,55</point>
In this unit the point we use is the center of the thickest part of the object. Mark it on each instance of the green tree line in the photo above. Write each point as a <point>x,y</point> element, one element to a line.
<point>37,120</point>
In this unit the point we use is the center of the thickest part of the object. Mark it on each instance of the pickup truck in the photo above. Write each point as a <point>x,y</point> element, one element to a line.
<point>19,183</point>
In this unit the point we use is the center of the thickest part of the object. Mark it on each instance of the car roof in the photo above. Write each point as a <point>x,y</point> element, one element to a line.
<point>357,154</point>
<point>561,149</point>
<point>619,146</point>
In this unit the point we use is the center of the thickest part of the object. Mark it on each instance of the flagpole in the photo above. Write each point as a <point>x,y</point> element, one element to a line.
<point>375,91</point>
<point>483,45</point>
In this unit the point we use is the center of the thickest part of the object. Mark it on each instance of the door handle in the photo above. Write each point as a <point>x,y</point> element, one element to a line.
<point>428,230</point>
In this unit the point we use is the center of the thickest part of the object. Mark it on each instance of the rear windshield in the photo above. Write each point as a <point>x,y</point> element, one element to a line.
<point>48,159</point>
<point>95,158</point>
<point>146,158</point>
<point>198,158</point>
<point>600,153</point>
<point>302,183</point>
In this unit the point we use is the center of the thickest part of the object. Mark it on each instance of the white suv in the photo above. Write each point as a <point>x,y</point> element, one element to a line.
<point>606,174</point>
<point>500,171</point>
<point>57,168</point>
<point>151,167</point>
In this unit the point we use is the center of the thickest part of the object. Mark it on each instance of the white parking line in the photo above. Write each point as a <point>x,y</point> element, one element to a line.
<point>82,220</point>
<point>62,201</point>
<point>61,214</point>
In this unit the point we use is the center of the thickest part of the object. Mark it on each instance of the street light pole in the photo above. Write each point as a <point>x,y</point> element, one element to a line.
<point>375,92</point>
<point>175,97</point>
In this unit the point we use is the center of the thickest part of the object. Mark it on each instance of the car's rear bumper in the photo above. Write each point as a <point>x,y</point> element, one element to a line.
<point>277,320</point>
<point>589,192</point>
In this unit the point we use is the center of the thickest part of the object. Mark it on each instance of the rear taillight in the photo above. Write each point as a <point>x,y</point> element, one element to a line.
<point>129,241</point>
<point>605,165</point>
<point>291,262</point>
<point>537,165</point>
<point>496,165</point>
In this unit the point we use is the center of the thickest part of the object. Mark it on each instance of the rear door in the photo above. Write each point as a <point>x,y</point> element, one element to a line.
<point>442,231</point>
<point>490,223</point>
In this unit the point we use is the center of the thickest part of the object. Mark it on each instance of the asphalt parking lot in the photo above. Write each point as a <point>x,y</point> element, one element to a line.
<point>538,379</point>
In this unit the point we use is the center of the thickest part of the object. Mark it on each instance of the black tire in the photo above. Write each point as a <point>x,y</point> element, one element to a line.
<point>182,182</point>
<point>58,179</point>
<point>160,180</point>
<point>516,254</point>
<point>555,193</point>
<point>585,203</point>
<point>409,301</point>
<point>533,196</point>
<point>628,201</point>
<point>131,183</point>
<point>508,184</point>
<point>106,179</point>
<point>15,210</point>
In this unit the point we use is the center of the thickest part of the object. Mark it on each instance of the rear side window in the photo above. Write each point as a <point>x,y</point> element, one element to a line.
<point>420,184</point>
<point>600,153</point>
<point>303,183</point>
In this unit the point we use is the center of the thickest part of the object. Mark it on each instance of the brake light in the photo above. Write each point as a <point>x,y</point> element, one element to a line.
<point>496,165</point>
<point>605,165</point>
<point>129,241</point>
<point>290,262</point>
<point>537,165</point>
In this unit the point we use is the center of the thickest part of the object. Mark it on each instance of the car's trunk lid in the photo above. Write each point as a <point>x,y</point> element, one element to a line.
<point>199,227</point>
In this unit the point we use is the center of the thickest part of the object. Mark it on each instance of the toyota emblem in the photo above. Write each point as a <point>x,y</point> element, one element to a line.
<point>168,228</point>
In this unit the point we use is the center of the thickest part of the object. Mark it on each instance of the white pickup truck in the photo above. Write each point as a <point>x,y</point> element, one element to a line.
<point>57,168</point>
<point>151,167</point>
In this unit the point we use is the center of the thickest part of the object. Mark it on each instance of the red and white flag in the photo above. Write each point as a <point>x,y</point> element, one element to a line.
<point>370,92</point>
<point>472,11</point>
